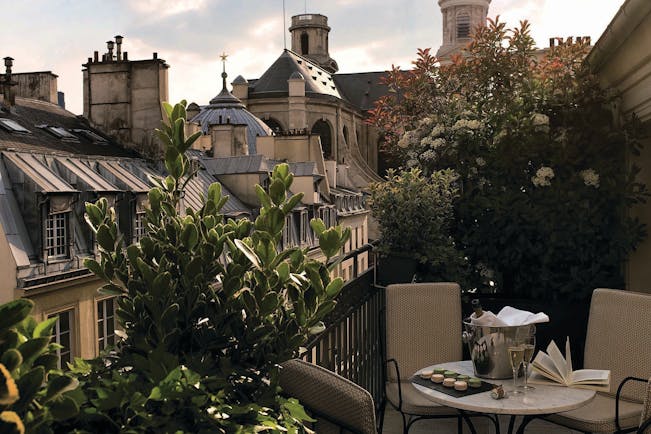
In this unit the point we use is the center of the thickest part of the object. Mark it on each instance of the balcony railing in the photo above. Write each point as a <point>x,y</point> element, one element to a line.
<point>351,344</point>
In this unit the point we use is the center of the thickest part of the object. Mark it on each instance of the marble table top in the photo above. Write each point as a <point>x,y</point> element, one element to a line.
<point>542,400</point>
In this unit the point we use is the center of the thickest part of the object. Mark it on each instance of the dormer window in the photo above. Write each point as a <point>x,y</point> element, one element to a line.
<point>463,25</point>
<point>56,236</point>
<point>13,126</point>
<point>60,132</point>
<point>95,138</point>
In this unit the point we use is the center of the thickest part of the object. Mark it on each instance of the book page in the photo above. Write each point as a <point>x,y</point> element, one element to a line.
<point>544,365</point>
<point>559,361</point>
<point>568,357</point>
<point>591,376</point>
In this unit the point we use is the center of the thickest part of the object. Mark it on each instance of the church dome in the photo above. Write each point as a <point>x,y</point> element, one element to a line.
<point>296,75</point>
<point>225,109</point>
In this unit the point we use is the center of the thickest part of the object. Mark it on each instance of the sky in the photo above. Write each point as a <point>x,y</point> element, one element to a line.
<point>366,35</point>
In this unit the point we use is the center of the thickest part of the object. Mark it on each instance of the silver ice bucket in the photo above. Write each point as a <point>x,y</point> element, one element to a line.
<point>489,348</point>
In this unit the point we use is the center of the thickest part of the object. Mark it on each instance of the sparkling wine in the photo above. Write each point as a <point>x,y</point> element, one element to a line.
<point>528,352</point>
<point>516,356</point>
<point>476,307</point>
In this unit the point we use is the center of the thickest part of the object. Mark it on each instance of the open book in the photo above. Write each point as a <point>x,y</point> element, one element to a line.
<point>553,369</point>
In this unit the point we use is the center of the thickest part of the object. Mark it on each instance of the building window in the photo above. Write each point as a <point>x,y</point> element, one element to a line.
<point>463,25</point>
<point>305,43</point>
<point>138,227</point>
<point>106,323</point>
<point>323,130</point>
<point>62,335</point>
<point>56,235</point>
<point>305,225</point>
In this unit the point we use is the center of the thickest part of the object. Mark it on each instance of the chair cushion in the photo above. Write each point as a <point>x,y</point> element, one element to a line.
<point>599,415</point>
<point>415,402</point>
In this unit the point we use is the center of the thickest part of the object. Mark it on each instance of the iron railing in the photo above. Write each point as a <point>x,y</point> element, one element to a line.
<point>351,344</point>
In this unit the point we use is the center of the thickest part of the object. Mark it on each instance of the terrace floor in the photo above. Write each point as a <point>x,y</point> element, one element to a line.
<point>393,425</point>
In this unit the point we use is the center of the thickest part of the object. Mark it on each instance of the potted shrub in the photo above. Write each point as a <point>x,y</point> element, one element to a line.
<point>415,216</point>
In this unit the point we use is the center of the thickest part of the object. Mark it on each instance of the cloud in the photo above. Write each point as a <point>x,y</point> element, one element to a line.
<point>166,7</point>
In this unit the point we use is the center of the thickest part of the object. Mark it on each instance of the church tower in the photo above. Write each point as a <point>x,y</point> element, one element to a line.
<point>460,17</point>
<point>310,39</point>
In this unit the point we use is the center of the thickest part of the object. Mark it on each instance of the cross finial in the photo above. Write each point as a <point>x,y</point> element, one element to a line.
<point>224,56</point>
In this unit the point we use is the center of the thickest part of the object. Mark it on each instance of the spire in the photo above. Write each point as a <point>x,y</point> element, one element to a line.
<point>224,56</point>
<point>225,97</point>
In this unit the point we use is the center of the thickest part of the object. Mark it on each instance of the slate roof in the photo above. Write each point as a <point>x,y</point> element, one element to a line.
<point>232,165</point>
<point>227,109</point>
<point>362,89</point>
<point>31,114</point>
<point>273,83</point>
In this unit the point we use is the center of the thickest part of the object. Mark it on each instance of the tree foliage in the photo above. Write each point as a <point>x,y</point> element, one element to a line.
<point>208,306</point>
<point>545,180</point>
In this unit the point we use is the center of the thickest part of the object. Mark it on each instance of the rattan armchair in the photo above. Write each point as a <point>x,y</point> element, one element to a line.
<point>645,417</point>
<point>423,327</point>
<point>339,405</point>
<point>618,338</point>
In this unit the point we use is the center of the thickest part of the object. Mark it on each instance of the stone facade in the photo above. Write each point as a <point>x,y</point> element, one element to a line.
<point>460,17</point>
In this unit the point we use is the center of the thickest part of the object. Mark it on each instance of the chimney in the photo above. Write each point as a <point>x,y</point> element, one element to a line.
<point>124,56</point>
<point>155,55</point>
<point>9,99</point>
<point>118,47</point>
<point>109,55</point>
<point>96,57</point>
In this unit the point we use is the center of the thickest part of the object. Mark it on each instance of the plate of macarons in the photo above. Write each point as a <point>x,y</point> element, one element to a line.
<point>450,382</point>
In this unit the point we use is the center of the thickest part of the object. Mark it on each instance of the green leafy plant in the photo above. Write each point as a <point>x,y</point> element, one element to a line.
<point>209,307</point>
<point>545,181</point>
<point>33,393</point>
<point>415,215</point>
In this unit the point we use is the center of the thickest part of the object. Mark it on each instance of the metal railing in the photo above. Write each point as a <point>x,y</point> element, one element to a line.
<point>351,344</point>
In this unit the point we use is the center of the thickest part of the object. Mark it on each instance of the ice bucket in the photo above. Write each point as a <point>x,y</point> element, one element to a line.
<point>488,348</point>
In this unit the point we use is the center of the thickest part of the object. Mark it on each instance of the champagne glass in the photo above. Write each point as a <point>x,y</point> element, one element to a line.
<point>529,348</point>
<point>516,356</point>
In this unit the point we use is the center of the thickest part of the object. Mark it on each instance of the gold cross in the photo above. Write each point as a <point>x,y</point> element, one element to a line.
<point>223,56</point>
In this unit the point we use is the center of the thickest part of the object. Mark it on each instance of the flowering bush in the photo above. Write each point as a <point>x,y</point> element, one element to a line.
<point>544,183</point>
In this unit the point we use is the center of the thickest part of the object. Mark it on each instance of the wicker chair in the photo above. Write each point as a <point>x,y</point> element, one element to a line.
<point>423,327</point>
<point>339,405</point>
<point>618,338</point>
<point>645,418</point>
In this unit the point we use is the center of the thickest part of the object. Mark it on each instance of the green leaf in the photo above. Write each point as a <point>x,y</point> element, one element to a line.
<point>276,220</point>
<point>190,236</point>
<point>14,312</point>
<point>277,192</point>
<point>12,359</point>
<point>334,287</point>
<point>263,197</point>
<point>269,303</point>
<point>249,253</point>
<point>57,385</point>
<point>95,215</point>
<point>63,407</point>
<point>33,348</point>
<point>317,226</point>
<point>168,108</point>
<point>29,384</point>
<point>292,202</point>
<point>316,329</point>
<point>190,140</point>
<point>95,268</point>
<point>44,329</point>
<point>215,192</point>
<point>296,410</point>
<point>104,238</point>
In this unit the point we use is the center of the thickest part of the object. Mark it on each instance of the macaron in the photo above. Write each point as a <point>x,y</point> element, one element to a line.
<point>438,370</point>
<point>463,377</point>
<point>450,374</point>
<point>437,378</point>
<point>474,382</point>
<point>449,382</point>
<point>460,385</point>
<point>426,374</point>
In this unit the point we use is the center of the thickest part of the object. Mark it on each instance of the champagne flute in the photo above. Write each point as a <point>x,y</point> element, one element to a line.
<point>516,356</point>
<point>529,348</point>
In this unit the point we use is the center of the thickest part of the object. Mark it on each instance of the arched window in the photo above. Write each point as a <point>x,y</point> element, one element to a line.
<point>346,135</point>
<point>463,25</point>
<point>322,128</point>
<point>305,43</point>
<point>274,124</point>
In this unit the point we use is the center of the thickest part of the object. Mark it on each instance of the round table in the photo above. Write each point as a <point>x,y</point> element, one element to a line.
<point>541,401</point>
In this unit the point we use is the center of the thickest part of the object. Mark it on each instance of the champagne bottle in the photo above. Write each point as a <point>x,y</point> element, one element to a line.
<point>476,306</point>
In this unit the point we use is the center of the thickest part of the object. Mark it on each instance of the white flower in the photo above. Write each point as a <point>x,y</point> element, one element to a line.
<point>543,177</point>
<point>538,119</point>
<point>465,123</point>
<point>408,139</point>
<point>480,162</point>
<point>437,143</point>
<point>426,141</point>
<point>425,122</point>
<point>437,130</point>
<point>412,163</point>
<point>590,178</point>
<point>428,155</point>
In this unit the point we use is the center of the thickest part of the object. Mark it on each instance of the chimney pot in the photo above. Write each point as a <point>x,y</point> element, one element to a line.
<point>118,39</point>
<point>155,55</point>
<point>90,60</point>
<point>124,56</point>
<point>110,44</point>
<point>118,43</point>
<point>9,62</point>
<point>96,56</point>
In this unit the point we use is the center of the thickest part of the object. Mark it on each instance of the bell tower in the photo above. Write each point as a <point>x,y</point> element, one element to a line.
<point>460,17</point>
<point>310,39</point>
